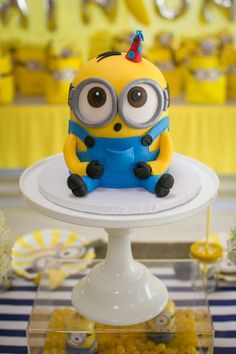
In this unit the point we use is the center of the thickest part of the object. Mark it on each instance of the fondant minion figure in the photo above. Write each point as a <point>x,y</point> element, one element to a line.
<point>163,325</point>
<point>83,341</point>
<point>119,126</point>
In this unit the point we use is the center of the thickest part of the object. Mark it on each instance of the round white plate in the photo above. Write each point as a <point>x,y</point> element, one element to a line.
<point>53,185</point>
<point>209,184</point>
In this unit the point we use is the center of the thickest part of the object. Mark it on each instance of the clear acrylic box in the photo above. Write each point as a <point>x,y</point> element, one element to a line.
<point>55,327</point>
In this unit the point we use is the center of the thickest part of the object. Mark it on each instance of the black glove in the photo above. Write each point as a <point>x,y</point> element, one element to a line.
<point>94,169</point>
<point>142,170</point>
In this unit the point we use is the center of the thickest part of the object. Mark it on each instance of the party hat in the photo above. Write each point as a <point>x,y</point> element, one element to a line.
<point>135,51</point>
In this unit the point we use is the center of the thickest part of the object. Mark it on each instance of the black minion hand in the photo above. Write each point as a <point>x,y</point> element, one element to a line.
<point>94,169</point>
<point>142,170</point>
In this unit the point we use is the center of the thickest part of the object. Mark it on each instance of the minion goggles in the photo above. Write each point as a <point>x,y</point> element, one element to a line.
<point>117,104</point>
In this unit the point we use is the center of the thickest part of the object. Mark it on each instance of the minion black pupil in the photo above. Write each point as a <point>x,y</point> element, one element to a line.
<point>96,97</point>
<point>136,95</point>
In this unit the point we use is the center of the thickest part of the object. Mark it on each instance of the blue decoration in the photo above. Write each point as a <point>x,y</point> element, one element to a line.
<point>131,55</point>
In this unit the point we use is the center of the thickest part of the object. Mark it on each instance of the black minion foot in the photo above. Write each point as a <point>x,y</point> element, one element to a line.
<point>77,185</point>
<point>164,185</point>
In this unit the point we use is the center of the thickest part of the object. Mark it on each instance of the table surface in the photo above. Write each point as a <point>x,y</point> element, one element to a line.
<point>16,305</point>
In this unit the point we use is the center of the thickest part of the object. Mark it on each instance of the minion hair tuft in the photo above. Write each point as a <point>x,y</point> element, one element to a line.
<point>107,54</point>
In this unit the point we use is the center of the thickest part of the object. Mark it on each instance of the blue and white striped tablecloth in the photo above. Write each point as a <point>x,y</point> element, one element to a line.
<point>16,305</point>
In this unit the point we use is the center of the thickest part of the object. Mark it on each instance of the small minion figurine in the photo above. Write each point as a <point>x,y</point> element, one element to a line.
<point>206,79</point>
<point>228,59</point>
<point>83,341</point>
<point>163,325</point>
<point>61,68</point>
<point>30,70</point>
<point>119,126</point>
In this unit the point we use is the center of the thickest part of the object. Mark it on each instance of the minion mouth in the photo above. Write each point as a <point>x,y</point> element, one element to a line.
<point>117,127</point>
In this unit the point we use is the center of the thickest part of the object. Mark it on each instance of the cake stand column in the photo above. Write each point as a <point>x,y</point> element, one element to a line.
<point>119,290</point>
<point>119,262</point>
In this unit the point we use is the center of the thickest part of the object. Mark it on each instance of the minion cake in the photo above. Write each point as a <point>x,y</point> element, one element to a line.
<point>119,126</point>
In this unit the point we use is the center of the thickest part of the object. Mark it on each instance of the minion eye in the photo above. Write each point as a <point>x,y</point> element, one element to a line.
<point>97,97</point>
<point>70,252</point>
<point>94,102</point>
<point>141,103</point>
<point>76,338</point>
<point>162,321</point>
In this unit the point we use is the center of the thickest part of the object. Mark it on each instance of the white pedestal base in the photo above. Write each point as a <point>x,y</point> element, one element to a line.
<point>119,291</point>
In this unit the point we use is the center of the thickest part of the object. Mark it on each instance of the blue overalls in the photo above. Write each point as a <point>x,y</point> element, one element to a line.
<point>119,157</point>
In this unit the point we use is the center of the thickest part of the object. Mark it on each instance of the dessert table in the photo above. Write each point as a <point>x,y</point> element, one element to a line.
<point>16,305</point>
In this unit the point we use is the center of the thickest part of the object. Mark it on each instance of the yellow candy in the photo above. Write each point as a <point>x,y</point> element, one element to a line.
<point>150,345</point>
<point>120,349</point>
<point>160,347</point>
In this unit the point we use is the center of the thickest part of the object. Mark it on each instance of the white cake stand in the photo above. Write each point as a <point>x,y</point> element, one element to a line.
<point>120,290</point>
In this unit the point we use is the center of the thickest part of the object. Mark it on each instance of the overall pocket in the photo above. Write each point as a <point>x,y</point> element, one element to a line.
<point>119,160</point>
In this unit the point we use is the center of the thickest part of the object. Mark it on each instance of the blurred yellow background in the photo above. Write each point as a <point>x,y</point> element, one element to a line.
<point>71,28</point>
<point>208,129</point>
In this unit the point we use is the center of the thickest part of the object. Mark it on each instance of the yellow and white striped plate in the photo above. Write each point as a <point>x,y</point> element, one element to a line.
<point>32,251</point>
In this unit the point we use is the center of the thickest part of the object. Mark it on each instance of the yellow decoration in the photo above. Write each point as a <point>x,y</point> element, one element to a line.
<point>20,6</point>
<point>75,323</point>
<point>206,126</point>
<point>206,80</point>
<point>207,251</point>
<point>100,42</point>
<point>56,277</point>
<point>51,13</point>
<point>7,86</point>
<point>108,7</point>
<point>204,253</point>
<point>225,7</point>
<point>139,10</point>
<point>186,49</point>
<point>170,13</point>
<point>121,41</point>
<point>163,56</point>
<point>231,75</point>
<point>226,47</point>
<point>32,252</point>
<point>162,324</point>
<point>61,71</point>
<point>30,70</point>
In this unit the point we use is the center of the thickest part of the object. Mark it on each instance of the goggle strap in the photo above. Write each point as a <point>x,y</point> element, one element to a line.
<point>166,93</point>
<point>70,96</point>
